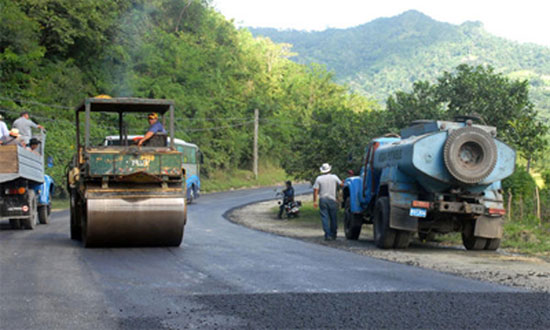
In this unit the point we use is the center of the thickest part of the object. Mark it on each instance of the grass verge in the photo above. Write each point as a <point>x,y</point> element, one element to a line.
<point>268,175</point>
<point>309,217</point>
<point>60,203</point>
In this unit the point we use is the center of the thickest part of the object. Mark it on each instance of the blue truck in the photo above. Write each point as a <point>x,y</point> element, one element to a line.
<point>25,190</point>
<point>435,177</point>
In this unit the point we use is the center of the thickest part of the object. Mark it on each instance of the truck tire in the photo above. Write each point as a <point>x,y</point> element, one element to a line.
<point>492,244</point>
<point>470,154</point>
<point>32,220</point>
<point>402,239</point>
<point>470,241</point>
<point>352,222</point>
<point>15,223</point>
<point>384,236</point>
<point>43,216</point>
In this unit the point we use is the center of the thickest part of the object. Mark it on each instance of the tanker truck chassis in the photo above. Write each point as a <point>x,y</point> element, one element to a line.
<point>126,195</point>
<point>437,177</point>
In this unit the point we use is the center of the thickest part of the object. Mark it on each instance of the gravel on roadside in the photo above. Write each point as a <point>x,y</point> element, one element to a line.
<point>499,267</point>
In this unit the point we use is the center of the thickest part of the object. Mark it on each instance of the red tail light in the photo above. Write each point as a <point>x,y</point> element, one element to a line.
<point>421,204</point>
<point>15,191</point>
<point>497,211</point>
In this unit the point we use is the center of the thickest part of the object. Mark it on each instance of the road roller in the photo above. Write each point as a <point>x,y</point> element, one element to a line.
<point>130,194</point>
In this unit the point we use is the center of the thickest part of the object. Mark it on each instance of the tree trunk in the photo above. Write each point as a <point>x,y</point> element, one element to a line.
<point>537,197</point>
<point>509,204</point>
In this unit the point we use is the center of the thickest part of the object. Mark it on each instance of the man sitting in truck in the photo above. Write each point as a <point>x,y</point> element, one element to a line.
<point>34,143</point>
<point>154,127</point>
<point>14,138</point>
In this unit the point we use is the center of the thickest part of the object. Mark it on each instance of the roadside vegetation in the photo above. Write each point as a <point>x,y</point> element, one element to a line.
<point>268,175</point>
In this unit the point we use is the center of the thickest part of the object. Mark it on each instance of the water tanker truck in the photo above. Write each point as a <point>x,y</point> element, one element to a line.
<point>126,195</point>
<point>436,177</point>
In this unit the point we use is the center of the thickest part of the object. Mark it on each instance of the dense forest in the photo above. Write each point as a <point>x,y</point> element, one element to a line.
<point>389,54</point>
<point>55,53</point>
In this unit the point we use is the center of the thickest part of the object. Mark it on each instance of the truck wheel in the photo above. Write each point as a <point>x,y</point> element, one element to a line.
<point>470,241</point>
<point>492,244</point>
<point>402,239</point>
<point>32,220</point>
<point>43,216</point>
<point>352,222</point>
<point>15,224</point>
<point>384,236</point>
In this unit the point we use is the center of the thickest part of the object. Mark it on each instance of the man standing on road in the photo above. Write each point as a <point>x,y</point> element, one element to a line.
<point>24,125</point>
<point>4,132</point>
<point>325,189</point>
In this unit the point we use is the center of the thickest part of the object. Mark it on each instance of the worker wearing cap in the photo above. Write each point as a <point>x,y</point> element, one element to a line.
<point>24,125</point>
<point>14,138</point>
<point>154,127</point>
<point>4,132</point>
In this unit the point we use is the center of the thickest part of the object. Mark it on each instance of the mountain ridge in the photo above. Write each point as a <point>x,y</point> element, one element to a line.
<point>387,54</point>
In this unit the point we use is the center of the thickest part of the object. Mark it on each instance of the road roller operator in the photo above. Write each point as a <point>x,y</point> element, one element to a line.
<point>154,127</point>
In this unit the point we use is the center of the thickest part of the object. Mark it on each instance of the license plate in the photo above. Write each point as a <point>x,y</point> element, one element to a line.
<point>418,212</point>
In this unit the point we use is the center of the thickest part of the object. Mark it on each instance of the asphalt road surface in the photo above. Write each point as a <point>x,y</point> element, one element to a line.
<point>227,276</point>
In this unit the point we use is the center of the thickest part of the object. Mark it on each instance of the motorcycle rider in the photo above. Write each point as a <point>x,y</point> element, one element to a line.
<point>288,197</point>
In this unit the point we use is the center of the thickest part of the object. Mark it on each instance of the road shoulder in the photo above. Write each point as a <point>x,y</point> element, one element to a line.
<point>499,267</point>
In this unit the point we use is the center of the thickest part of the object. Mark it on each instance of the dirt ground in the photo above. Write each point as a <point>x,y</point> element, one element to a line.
<point>501,267</point>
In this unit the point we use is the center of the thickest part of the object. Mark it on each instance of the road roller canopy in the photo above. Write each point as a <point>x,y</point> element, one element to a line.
<point>120,106</point>
<point>126,104</point>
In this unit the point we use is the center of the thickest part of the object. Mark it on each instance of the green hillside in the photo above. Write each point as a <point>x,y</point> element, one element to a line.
<point>55,53</point>
<point>389,54</point>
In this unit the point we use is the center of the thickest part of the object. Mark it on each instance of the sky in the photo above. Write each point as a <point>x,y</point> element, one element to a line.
<point>523,21</point>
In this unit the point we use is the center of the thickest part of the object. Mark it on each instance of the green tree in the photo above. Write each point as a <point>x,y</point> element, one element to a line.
<point>498,100</point>
<point>422,103</point>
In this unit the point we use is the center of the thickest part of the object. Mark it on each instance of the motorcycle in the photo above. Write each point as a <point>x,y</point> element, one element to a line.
<point>291,209</point>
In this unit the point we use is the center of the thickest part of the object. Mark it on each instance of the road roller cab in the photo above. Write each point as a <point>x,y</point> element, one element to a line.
<point>126,195</point>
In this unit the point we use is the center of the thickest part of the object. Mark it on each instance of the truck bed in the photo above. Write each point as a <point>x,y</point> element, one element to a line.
<point>18,162</point>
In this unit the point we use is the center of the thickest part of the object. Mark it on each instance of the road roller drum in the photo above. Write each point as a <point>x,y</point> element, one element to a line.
<point>134,222</point>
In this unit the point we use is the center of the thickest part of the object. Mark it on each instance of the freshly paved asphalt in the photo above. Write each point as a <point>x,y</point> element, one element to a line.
<point>228,276</point>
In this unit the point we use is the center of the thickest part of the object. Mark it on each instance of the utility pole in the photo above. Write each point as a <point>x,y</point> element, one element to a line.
<point>255,156</point>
